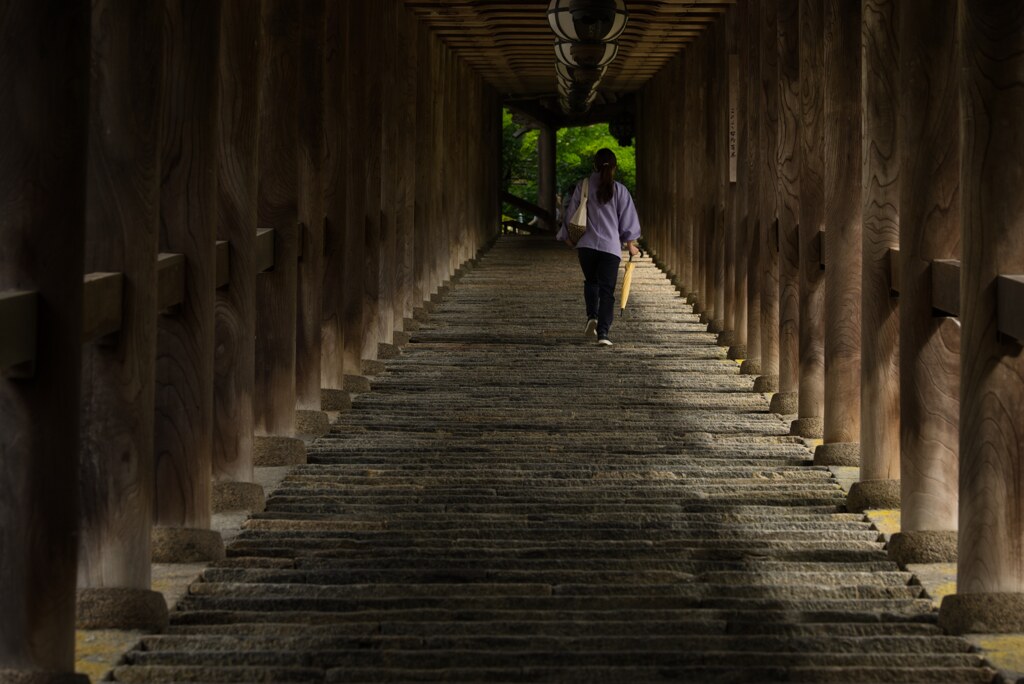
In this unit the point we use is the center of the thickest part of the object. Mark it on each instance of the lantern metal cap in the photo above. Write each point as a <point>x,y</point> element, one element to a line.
<point>587,20</point>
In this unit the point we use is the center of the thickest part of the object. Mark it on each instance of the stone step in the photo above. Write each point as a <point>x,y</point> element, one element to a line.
<point>510,503</point>
<point>550,643</point>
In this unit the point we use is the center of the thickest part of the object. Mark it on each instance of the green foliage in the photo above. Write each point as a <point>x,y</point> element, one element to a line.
<point>574,158</point>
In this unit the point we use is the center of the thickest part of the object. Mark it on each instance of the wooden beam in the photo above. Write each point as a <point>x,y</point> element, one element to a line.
<point>102,305</point>
<point>264,249</point>
<point>19,311</point>
<point>170,277</point>
<point>894,272</point>
<point>526,206</point>
<point>1010,306</point>
<point>946,287</point>
<point>223,258</point>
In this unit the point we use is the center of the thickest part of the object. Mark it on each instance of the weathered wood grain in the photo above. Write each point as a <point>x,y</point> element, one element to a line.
<point>370,163</point>
<point>841,147</point>
<point>237,185</point>
<point>355,199</point>
<point>929,229</point>
<point>754,171</point>
<point>768,135</point>
<point>277,209</point>
<point>991,556</point>
<point>44,60</point>
<point>122,227</point>
<point>335,175</point>
<point>387,56</point>
<point>183,428</point>
<point>425,170</point>
<point>407,70</point>
<point>879,377</point>
<point>788,161</point>
<point>812,282</point>
<point>309,311</point>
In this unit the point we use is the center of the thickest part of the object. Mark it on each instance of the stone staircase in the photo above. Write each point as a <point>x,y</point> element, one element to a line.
<point>512,503</point>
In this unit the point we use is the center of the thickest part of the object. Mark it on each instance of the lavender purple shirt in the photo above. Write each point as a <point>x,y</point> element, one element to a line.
<point>608,225</point>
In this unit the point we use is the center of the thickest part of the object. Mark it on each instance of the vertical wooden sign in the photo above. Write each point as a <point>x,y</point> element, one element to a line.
<point>734,101</point>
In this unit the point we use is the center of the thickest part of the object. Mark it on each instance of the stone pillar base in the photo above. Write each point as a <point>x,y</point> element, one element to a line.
<point>410,325</point>
<point>737,352</point>
<point>274,450</point>
<point>400,338</point>
<point>186,545</point>
<point>995,613</point>
<point>238,496</point>
<point>808,428</point>
<point>704,318</point>
<point>716,325</point>
<point>335,400</point>
<point>725,338</point>
<point>315,423</point>
<point>838,454</point>
<point>766,383</point>
<point>784,403</point>
<point>357,383</point>
<point>37,677</point>
<point>751,367</point>
<point>371,367</point>
<point>923,546</point>
<point>387,351</point>
<point>692,298</point>
<point>420,314</point>
<point>121,608</point>
<point>873,494</point>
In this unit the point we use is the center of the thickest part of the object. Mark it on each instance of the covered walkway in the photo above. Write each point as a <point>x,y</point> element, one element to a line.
<point>511,502</point>
<point>231,227</point>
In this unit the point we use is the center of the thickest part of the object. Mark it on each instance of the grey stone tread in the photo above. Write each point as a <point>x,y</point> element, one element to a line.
<point>511,503</point>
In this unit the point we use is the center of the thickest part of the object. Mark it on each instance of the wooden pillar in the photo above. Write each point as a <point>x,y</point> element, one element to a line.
<point>370,98</point>
<point>990,565</point>
<point>741,249</point>
<point>424,163</point>
<point>337,75</point>
<point>752,364</point>
<point>720,112</point>
<point>929,346</point>
<point>235,308</point>
<point>768,196</point>
<point>356,114</point>
<point>277,210</point>
<point>119,370</point>
<point>309,76</point>
<point>405,200</point>
<point>788,160</point>
<point>387,55</point>
<point>841,144</point>
<point>879,372</point>
<point>727,336</point>
<point>811,397</point>
<point>183,429</point>
<point>44,72</point>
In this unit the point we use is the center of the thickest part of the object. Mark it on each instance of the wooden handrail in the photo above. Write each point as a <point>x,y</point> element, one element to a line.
<point>102,305</point>
<point>527,206</point>
<point>19,313</point>
<point>946,286</point>
<point>264,249</point>
<point>895,274</point>
<point>170,280</point>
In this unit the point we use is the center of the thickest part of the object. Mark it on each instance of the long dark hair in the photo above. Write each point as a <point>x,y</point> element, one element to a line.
<point>604,164</point>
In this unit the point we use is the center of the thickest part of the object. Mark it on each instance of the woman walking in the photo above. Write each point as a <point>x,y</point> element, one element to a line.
<point>611,223</point>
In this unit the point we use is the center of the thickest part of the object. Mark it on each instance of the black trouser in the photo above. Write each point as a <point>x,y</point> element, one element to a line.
<point>600,270</point>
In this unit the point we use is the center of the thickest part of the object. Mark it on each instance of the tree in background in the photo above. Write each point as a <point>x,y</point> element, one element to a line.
<point>574,158</point>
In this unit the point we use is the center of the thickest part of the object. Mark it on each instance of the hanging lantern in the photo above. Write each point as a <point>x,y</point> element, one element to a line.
<point>585,55</point>
<point>587,20</point>
<point>579,74</point>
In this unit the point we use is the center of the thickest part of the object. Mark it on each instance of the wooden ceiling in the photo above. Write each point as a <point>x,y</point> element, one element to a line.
<point>511,45</point>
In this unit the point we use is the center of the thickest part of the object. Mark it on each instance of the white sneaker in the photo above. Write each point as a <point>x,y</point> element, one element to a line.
<point>591,328</point>
<point>604,342</point>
